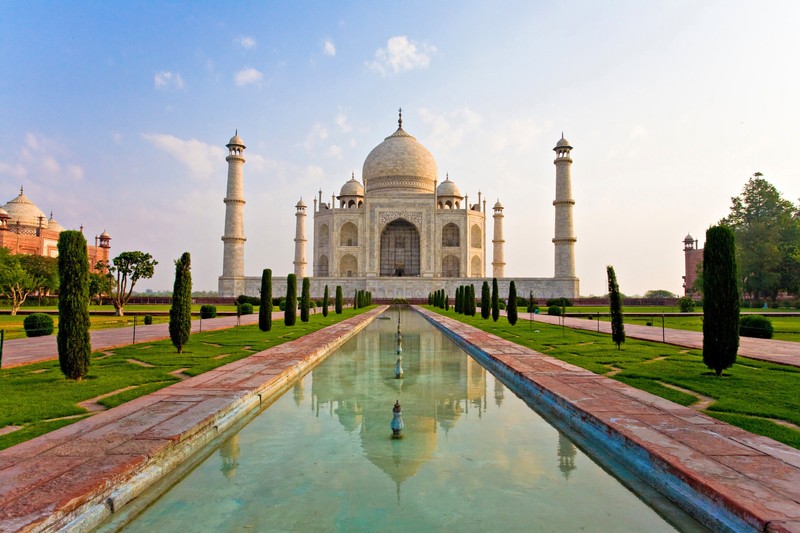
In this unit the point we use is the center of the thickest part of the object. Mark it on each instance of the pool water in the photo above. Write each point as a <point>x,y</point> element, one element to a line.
<point>473,457</point>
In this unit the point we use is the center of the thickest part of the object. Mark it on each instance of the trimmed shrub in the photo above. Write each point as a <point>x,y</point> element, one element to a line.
<point>208,311</point>
<point>38,325</point>
<point>325,302</point>
<point>511,311</point>
<point>554,310</point>
<point>180,312</point>
<point>265,302</point>
<point>244,299</point>
<point>561,302</point>
<point>686,304</point>
<point>246,308</point>
<point>757,326</point>
<point>74,343</point>
<point>148,319</point>
<point>502,305</point>
<point>305,300</point>
<point>282,305</point>
<point>290,310</point>
<point>337,305</point>
<point>721,299</point>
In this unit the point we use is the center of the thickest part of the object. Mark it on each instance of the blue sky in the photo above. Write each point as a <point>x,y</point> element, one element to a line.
<point>115,115</point>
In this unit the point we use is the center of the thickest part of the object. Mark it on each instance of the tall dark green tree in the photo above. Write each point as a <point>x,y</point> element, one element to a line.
<point>531,305</point>
<point>615,307</point>
<point>355,300</point>
<point>495,301</point>
<point>265,304</point>
<point>337,306</point>
<point>74,344</point>
<point>511,308</point>
<point>305,300</point>
<point>720,299</point>
<point>457,306</point>
<point>486,301</point>
<point>180,312</point>
<point>290,311</point>
<point>471,299</point>
<point>325,302</point>
<point>446,301</point>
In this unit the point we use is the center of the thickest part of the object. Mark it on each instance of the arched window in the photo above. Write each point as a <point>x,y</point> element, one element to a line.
<point>324,236</point>
<point>450,267</point>
<point>475,267</point>
<point>348,266</point>
<point>322,267</point>
<point>475,239</point>
<point>450,235</point>
<point>348,235</point>
<point>400,249</point>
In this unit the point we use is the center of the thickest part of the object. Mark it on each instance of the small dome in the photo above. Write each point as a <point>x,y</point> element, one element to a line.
<point>52,225</point>
<point>22,210</point>
<point>3,213</point>
<point>498,205</point>
<point>563,142</point>
<point>689,238</point>
<point>448,188</point>
<point>301,203</point>
<point>105,235</point>
<point>352,188</point>
<point>236,140</point>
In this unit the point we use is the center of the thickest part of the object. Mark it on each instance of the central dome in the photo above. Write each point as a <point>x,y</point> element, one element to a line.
<point>400,164</point>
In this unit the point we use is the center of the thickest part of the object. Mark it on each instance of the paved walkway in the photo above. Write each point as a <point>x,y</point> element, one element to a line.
<point>783,352</point>
<point>37,349</point>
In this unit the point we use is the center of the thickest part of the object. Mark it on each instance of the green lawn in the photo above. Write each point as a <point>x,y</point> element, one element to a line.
<point>752,394</point>
<point>37,396</point>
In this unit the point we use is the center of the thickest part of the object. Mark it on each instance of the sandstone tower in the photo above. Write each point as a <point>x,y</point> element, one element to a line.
<point>232,280</point>
<point>498,263</point>
<point>300,241</point>
<point>564,239</point>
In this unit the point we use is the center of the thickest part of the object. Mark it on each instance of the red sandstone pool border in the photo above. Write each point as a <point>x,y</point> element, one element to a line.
<point>728,478</point>
<point>77,476</point>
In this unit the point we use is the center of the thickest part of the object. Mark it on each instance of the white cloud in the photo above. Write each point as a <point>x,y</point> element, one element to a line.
<point>400,55</point>
<point>341,121</point>
<point>335,151</point>
<point>247,76</point>
<point>168,80</point>
<point>328,48</point>
<point>202,159</point>
<point>448,129</point>
<point>15,170</point>
<point>246,42</point>
<point>51,165</point>
<point>75,171</point>
<point>31,141</point>
<point>318,133</point>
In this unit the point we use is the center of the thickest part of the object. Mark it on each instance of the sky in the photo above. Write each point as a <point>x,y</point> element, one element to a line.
<point>115,116</point>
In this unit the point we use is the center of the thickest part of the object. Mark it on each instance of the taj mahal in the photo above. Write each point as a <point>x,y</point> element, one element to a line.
<point>401,233</point>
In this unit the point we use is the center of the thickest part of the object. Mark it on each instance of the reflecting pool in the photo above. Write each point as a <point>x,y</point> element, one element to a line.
<point>473,457</point>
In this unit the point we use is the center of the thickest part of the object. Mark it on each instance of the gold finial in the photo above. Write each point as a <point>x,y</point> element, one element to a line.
<point>237,132</point>
<point>20,189</point>
<point>353,175</point>
<point>400,120</point>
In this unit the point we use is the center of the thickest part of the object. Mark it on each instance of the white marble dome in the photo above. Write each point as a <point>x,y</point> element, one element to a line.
<point>22,210</point>
<point>448,188</point>
<point>352,188</point>
<point>400,164</point>
<point>53,225</point>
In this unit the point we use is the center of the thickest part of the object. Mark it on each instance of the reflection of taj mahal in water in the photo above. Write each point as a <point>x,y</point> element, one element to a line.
<point>401,233</point>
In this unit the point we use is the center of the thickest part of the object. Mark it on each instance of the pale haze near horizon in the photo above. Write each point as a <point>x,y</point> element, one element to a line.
<point>115,116</point>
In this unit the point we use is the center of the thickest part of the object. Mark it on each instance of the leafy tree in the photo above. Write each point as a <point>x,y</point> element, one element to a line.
<point>43,269</point>
<point>495,301</point>
<point>180,312</point>
<point>325,302</point>
<point>15,282</point>
<point>99,285</point>
<point>265,302</point>
<point>128,268</point>
<point>337,306</point>
<point>486,300</point>
<point>720,299</point>
<point>290,312</point>
<point>305,300</point>
<point>511,308</point>
<point>74,343</point>
<point>615,306</point>
<point>767,235</point>
<point>659,294</point>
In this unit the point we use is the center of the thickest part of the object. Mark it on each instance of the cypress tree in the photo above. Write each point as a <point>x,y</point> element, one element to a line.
<point>511,308</point>
<point>430,298</point>
<point>470,300</point>
<point>457,306</point>
<point>615,306</point>
<point>495,301</point>
<point>446,302</point>
<point>180,312</point>
<point>74,344</point>
<point>337,305</point>
<point>355,299</point>
<point>290,311</point>
<point>530,302</point>
<point>485,300</point>
<point>265,306</point>
<point>325,302</point>
<point>305,300</point>
<point>720,299</point>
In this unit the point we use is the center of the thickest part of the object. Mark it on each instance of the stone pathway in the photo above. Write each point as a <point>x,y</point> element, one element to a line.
<point>728,471</point>
<point>783,352</point>
<point>88,469</point>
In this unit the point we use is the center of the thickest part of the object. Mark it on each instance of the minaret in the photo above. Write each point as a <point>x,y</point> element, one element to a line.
<point>564,239</point>
<point>498,263</point>
<point>300,241</point>
<point>231,283</point>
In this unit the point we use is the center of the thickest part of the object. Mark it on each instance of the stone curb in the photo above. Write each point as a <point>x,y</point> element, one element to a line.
<point>729,479</point>
<point>75,477</point>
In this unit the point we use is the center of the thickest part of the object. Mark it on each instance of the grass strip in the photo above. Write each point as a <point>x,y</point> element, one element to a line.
<point>34,394</point>
<point>745,395</point>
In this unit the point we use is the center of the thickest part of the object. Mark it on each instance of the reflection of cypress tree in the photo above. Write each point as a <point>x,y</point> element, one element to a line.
<point>229,451</point>
<point>566,455</point>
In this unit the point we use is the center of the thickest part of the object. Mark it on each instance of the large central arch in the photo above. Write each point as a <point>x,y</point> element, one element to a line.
<point>400,249</point>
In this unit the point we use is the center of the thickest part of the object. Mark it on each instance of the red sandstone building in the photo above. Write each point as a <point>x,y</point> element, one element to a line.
<point>24,229</point>
<point>693,256</point>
